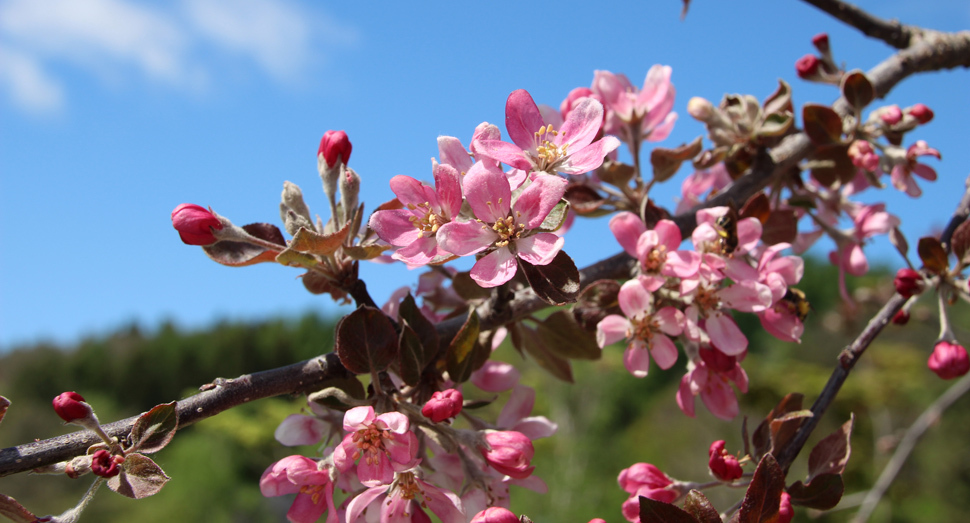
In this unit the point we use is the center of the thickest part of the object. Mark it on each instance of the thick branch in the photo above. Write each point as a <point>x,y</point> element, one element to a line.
<point>299,378</point>
<point>890,31</point>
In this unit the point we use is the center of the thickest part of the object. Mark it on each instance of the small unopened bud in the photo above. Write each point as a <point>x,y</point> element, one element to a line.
<point>700,108</point>
<point>495,515</point>
<point>722,465</point>
<point>901,317</point>
<point>293,210</point>
<point>863,155</point>
<point>510,453</point>
<point>195,224</point>
<point>444,404</point>
<point>349,189</point>
<point>807,67</point>
<point>104,464</point>
<point>821,42</point>
<point>785,510</point>
<point>71,407</point>
<point>891,115</point>
<point>922,113</point>
<point>908,282</point>
<point>949,360</point>
<point>335,147</point>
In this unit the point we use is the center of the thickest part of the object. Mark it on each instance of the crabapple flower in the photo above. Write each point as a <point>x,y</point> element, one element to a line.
<point>644,479</point>
<point>309,480</point>
<point>515,415</point>
<point>646,330</point>
<point>105,465</point>
<point>539,147</point>
<point>648,110</point>
<point>654,249</point>
<point>891,115</point>
<point>413,228</point>
<point>404,499</point>
<point>300,429</point>
<point>949,360</point>
<point>383,444</point>
<point>496,376</point>
<point>708,378</point>
<point>195,224</point>
<point>723,466</point>
<point>507,229</point>
<point>71,407</point>
<point>495,515</point>
<point>904,168</point>
<point>863,156</point>
<point>335,147</point>
<point>443,405</point>
<point>510,453</point>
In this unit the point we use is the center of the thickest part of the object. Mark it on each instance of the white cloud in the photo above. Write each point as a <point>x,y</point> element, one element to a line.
<point>162,42</point>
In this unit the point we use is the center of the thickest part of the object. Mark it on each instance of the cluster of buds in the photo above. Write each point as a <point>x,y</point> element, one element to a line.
<point>820,67</point>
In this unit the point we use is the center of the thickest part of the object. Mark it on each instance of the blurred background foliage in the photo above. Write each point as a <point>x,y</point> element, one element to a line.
<point>607,420</point>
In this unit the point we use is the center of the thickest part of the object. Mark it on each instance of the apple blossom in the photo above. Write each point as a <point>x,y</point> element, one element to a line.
<point>637,114</point>
<point>708,378</point>
<point>405,500</point>
<point>309,480</point>
<point>382,443</point>
<point>908,282</point>
<point>71,407</point>
<point>495,515</point>
<point>905,167</point>
<point>510,453</point>
<point>443,405</point>
<point>723,466</point>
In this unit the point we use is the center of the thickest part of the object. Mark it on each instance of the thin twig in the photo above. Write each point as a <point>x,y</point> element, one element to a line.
<point>890,31</point>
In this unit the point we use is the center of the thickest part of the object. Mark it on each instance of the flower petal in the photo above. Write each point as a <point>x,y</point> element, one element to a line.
<point>539,249</point>
<point>522,119</point>
<point>495,268</point>
<point>488,193</point>
<point>464,238</point>
<point>538,199</point>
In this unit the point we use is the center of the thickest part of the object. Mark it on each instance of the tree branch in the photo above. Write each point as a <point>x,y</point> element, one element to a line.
<point>890,31</point>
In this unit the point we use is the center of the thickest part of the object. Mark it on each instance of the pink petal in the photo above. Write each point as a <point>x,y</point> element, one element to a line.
<point>305,510</point>
<point>670,320</point>
<point>663,350</point>
<point>393,421</point>
<point>522,119</point>
<point>719,398</point>
<point>538,199</point>
<point>395,226</point>
<point>582,124</point>
<point>611,329</point>
<point>590,157</point>
<point>655,88</point>
<point>358,418</point>
<point>446,505</point>
<point>365,498</point>
<point>636,359</point>
<point>375,473</point>
<point>410,191</point>
<point>539,249</point>
<point>448,189</point>
<point>685,399</point>
<point>488,193</point>
<point>495,376</point>
<point>419,253</point>
<point>725,334</point>
<point>782,325</point>
<point>668,234</point>
<point>495,268</point>
<point>682,264</point>
<point>464,238</point>
<point>746,296</point>
<point>749,232</point>
<point>627,228</point>
<point>506,153</point>
<point>299,429</point>
<point>453,153</point>
<point>634,299</point>
<point>535,427</point>
<point>518,406</point>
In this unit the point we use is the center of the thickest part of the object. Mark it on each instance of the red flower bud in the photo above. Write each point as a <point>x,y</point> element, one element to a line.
<point>901,318</point>
<point>785,510</point>
<point>891,115</point>
<point>104,464</point>
<point>807,66</point>
<point>495,515</point>
<point>908,282</point>
<point>511,453</point>
<point>70,406</point>
<point>195,224</point>
<point>724,466</point>
<point>922,113</point>
<point>949,360</point>
<point>443,405</point>
<point>335,146</point>
<point>821,42</point>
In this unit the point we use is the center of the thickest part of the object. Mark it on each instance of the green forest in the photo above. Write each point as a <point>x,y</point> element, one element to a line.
<point>607,420</point>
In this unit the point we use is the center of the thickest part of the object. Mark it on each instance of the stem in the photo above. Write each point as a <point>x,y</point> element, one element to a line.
<point>890,31</point>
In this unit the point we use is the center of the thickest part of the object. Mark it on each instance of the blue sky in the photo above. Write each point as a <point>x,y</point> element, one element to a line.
<point>115,111</point>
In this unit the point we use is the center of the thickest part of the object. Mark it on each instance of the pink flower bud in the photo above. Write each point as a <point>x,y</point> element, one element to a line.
<point>949,360</point>
<point>724,466</point>
<point>335,146</point>
<point>640,475</point>
<point>70,406</point>
<point>443,405</point>
<point>863,155</point>
<point>195,224</point>
<point>807,66</point>
<point>574,96</point>
<point>922,113</point>
<point>821,42</point>
<point>495,515</point>
<point>700,108</point>
<point>908,282</point>
<point>901,318</point>
<point>511,453</point>
<point>104,464</point>
<point>891,115</point>
<point>785,510</point>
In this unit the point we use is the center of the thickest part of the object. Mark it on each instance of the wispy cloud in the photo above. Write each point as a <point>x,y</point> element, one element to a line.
<point>162,42</point>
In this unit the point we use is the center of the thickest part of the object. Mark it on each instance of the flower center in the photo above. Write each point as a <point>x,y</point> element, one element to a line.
<point>429,223</point>
<point>507,230</point>
<point>315,491</point>
<point>548,154</point>
<point>643,329</point>
<point>706,299</point>
<point>654,260</point>
<point>370,444</point>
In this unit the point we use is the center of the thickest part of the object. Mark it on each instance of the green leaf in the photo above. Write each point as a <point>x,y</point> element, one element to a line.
<point>366,341</point>
<point>155,428</point>
<point>293,258</point>
<point>776,124</point>
<point>139,478</point>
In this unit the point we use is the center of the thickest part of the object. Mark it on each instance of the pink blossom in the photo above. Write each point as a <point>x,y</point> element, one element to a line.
<point>516,412</point>
<point>304,477</point>
<point>194,224</point>
<point>709,378</point>
<point>495,515</point>
<point>452,152</point>
<point>105,465</point>
<point>414,227</point>
<point>647,110</point>
<point>646,330</point>
<point>863,156</point>
<point>383,444</point>
<point>573,98</point>
<point>300,429</point>
<point>495,376</point>
<point>505,228</point>
<point>539,147</point>
<point>654,249</point>
<point>405,500</point>
<point>723,466</point>
<point>868,221</point>
<point>949,360</point>
<point>782,321</point>
<point>700,182</point>
<point>443,405</point>
<point>891,115</point>
<point>510,453</point>
<point>903,171</point>
<point>644,479</point>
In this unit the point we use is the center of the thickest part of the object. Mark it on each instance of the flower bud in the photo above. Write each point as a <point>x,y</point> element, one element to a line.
<point>195,224</point>
<point>334,147</point>
<point>891,115</point>
<point>104,464</point>
<point>349,189</point>
<point>495,515</point>
<point>901,317</point>
<point>70,406</point>
<point>908,282</point>
<point>722,465</point>
<point>922,113</point>
<point>949,360</point>
<point>821,42</point>
<point>510,453</point>
<point>443,405</point>
<point>785,510</point>
<point>700,108</point>
<point>863,155</point>
<point>807,67</point>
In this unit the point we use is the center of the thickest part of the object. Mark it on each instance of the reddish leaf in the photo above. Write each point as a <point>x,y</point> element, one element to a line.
<point>831,164</point>
<point>783,428</point>
<point>556,283</point>
<point>311,242</point>
<point>761,439</point>
<point>140,477</point>
<point>857,89</point>
<point>899,241</point>
<point>467,288</point>
<point>465,353</point>
<point>585,200</point>
<point>4,404</point>
<point>565,337</point>
<point>666,162</point>
<point>653,511</point>
<point>14,511</point>
<point>830,455</point>
<point>781,226</point>
<point>823,492</point>
<point>317,283</point>
<point>761,501</point>
<point>931,252</point>
<point>155,428</point>
<point>616,173</point>
<point>780,100</point>
<point>960,241</point>
<point>527,341</point>
<point>757,206</point>
<point>366,341</point>
<point>597,300</point>
<point>700,507</point>
<point>651,214</point>
<point>422,327</point>
<point>411,355</point>
<point>370,251</point>
<point>822,124</point>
